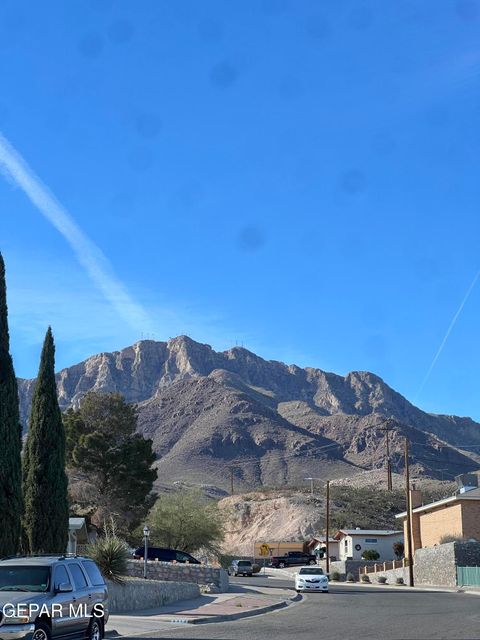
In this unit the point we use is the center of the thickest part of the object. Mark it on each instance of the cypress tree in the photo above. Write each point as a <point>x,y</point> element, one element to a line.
<point>45,486</point>
<point>10,437</point>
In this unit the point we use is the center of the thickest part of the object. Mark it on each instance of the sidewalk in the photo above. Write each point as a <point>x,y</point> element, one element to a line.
<point>472,591</point>
<point>206,608</point>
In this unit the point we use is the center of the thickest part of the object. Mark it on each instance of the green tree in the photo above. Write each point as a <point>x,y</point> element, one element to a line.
<point>103,444</point>
<point>10,437</point>
<point>370,554</point>
<point>398,549</point>
<point>45,484</point>
<point>187,521</point>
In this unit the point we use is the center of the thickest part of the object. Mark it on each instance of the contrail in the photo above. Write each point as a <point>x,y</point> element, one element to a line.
<point>449,330</point>
<point>14,167</point>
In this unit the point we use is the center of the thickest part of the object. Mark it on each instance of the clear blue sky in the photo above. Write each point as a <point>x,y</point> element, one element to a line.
<point>300,177</point>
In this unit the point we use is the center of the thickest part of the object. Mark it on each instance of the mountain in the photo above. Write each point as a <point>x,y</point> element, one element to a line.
<point>272,423</point>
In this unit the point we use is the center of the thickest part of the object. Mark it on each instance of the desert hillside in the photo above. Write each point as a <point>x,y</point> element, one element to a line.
<point>271,423</point>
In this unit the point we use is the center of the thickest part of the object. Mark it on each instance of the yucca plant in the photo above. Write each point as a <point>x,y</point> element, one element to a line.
<point>111,554</point>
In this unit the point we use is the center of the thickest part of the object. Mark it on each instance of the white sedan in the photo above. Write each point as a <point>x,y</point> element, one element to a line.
<point>311,579</point>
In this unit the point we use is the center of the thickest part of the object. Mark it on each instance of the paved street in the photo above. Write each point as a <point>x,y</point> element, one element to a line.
<point>348,613</point>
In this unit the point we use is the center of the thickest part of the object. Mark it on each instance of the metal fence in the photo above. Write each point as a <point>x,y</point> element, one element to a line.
<point>468,576</point>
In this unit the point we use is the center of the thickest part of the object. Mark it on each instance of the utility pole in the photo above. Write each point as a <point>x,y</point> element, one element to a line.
<point>231,480</point>
<point>389,464</point>
<point>327,529</point>
<point>409,516</point>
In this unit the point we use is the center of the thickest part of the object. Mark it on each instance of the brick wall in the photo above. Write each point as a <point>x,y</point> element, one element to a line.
<point>199,574</point>
<point>471,519</point>
<point>446,520</point>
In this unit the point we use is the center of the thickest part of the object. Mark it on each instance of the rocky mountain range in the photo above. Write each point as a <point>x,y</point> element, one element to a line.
<point>216,414</point>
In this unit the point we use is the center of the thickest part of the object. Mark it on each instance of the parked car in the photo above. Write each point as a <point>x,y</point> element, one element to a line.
<point>240,567</point>
<point>311,579</point>
<point>164,555</point>
<point>40,598</point>
<point>292,558</point>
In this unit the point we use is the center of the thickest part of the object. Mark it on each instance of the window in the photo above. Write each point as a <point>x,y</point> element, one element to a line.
<point>13,578</point>
<point>371,540</point>
<point>77,575</point>
<point>182,557</point>
<point>60,576</point>
<point>93,573</point>
<point>314,571</point>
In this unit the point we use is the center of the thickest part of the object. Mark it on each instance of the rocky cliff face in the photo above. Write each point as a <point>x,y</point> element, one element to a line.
<point>274,423</point>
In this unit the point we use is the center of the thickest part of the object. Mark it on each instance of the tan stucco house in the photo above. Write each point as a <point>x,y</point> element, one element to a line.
<point>457,515</point>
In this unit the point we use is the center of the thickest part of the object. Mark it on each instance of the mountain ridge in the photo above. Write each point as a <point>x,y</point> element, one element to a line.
<point>276,415</point>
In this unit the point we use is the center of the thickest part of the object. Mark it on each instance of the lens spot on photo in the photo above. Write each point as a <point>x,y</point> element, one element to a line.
<point>274,7</point>
<point>91,45</point>
<point>148,125</point>
<point>467,9</point>
<point>140,160</point>
<point>223,75</point>
<point>122,205</point>
<point>376,346</point>
<point>120,31</point>
<point>383,144</point>
<point>210,31</point>
<point>360,18</point>
<point>251,239</point>
<point>290,88</point>
<point>101,5</point>
<point>353,182</point>
<point>318,27</point>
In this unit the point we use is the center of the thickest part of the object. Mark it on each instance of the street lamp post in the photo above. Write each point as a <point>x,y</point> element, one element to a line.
<point>311,484</point>
<point>146,535</point>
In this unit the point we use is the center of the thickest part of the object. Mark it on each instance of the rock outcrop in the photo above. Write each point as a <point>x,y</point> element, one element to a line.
<point>274,423</point>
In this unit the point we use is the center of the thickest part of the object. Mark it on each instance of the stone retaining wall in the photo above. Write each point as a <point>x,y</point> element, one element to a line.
<point>349,566</point>
<point>436,565</point>
<point>196,573</point>
<point>136,594</point>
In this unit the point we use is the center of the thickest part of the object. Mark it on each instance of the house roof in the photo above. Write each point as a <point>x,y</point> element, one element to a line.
<point>473,494</point>
<point>367,532</point>
<point>322,540</point>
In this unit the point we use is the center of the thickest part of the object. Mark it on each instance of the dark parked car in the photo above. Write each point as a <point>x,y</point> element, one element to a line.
<point>165,555</point>
<point>292,558</point>
<point>240,568</point>
<point>42,598</point>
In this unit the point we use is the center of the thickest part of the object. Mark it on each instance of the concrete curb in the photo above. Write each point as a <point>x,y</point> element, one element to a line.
<point>405,587</point>
<point>113,633</point>
<point>247,614</point>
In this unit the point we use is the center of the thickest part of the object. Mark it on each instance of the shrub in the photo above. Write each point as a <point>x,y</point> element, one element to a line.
<point>398,549</point>
<point>335,576</point>
<point>399,581</point>
<point>370,554</point>
<point>382,579</point>
<point>350,577</point>
<point>110,554</point>
<point>365,577</point>
<point>256,568</point>
<point>225,560</point>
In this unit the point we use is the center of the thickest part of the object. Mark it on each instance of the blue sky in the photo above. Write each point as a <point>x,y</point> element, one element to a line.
<point>300,177</point>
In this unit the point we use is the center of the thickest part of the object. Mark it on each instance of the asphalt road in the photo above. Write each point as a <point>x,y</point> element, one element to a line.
<point>348,613</point>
